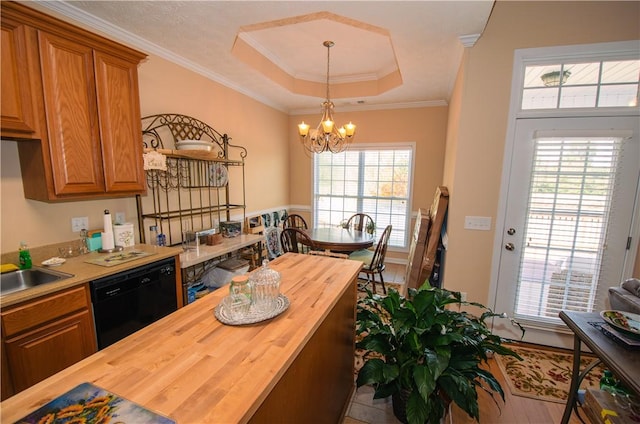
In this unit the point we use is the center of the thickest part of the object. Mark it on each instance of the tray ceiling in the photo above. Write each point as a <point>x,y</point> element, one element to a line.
<point>387,54</point>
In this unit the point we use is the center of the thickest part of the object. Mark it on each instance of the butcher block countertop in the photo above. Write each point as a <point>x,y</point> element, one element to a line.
<point>194,369</point>
<point>83,272</point>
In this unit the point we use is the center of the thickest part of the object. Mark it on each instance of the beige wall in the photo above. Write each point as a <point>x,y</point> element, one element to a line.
<point>168,88</point>
<point>484,84</point>
<point>164,88</point>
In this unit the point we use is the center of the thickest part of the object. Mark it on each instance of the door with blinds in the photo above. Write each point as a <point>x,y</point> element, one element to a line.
<point>572,199</point>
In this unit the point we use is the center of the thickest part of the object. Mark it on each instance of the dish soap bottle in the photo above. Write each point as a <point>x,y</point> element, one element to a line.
<point>24,256</point>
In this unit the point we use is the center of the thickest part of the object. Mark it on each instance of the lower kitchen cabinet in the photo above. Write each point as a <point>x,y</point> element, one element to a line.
<point>44,336</point>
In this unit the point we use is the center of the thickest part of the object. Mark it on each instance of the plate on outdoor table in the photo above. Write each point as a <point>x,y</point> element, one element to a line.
<point>624,321</point>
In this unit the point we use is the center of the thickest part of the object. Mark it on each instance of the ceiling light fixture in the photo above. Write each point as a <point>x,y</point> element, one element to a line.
<point>552,79</point>
<point>326,137</point>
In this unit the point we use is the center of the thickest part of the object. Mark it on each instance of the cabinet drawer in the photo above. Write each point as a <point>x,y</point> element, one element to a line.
<point>45,309</point>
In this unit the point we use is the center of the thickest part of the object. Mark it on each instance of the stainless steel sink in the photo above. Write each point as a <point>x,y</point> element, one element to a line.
<point>27,278</point>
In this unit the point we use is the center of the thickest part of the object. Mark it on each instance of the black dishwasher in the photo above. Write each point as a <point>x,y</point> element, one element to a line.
<point>124,303</point>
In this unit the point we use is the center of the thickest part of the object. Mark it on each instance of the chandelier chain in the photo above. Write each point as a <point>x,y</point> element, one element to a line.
<point>327,137</point>
<point>328,58</point>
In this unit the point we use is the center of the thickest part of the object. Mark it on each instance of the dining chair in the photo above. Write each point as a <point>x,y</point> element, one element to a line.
<point>361,222</point>
<point>295,240</point>
<point>295,221</point>
<point>272,240</point>
<point>373,261</point>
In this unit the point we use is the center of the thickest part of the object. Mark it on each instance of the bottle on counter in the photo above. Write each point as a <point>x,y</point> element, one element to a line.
<point>24,256</point>
<point>161,240</point>
<point>153,235</point>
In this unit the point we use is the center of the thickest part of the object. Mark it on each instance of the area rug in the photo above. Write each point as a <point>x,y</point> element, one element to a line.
<point>544,374</point>
<point>395,286</point>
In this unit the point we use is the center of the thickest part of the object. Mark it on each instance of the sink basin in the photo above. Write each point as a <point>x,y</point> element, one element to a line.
<point>27,278</point>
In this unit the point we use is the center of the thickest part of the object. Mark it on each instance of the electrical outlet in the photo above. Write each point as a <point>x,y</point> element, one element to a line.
<point>120,219</point>
<point>79,223</point>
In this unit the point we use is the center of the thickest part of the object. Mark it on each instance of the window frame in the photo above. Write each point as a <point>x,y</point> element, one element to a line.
<point>411,146</point>
<point>541,56</point>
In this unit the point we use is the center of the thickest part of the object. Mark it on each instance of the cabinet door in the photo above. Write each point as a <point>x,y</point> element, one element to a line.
<point>120,127</point>
<point>72,118</point>
<point>5,376</point>
<point>17,104</point>
<point>43,352</point>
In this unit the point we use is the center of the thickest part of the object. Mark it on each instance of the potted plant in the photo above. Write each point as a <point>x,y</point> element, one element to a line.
<point>371,227</point>
<point>425,353</point>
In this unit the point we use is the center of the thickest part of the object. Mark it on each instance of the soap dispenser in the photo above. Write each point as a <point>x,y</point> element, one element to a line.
<point>24,256</point>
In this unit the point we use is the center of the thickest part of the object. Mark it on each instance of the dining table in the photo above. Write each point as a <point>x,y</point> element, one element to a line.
<point>342,240</point>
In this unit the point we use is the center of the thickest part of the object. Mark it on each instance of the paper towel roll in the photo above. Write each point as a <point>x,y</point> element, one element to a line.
<point>108,225</point>
<point>123,235</point>
<point>107,240</point>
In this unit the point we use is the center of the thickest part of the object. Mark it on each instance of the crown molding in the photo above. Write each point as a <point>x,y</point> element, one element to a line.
<point>469,40</point>
<point>360,108</point>
<point>126,37</point>
<point>83,18</point>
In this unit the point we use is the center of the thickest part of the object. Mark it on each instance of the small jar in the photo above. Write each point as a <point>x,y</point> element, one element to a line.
<point>265,288</point>
<point>240,285</point>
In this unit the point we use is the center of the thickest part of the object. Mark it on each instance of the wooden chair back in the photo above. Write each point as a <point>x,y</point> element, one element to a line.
<point>295,240</point>
<point>377,262</point>
<point>295,221</point>
<point>361,222</point>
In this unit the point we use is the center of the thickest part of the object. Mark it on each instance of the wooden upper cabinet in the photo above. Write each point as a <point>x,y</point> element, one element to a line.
<point>72,118</point>
<point>88,105</point>
<point>17,105</point>
<point>119,111</point>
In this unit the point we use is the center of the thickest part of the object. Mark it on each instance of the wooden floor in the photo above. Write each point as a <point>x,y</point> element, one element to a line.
<point>514,410</point>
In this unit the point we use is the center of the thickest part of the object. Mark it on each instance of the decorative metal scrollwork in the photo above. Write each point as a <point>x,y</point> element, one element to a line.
<point>162,131</point>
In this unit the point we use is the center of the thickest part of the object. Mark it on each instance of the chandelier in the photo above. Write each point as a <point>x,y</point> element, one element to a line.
<point>326,137</point>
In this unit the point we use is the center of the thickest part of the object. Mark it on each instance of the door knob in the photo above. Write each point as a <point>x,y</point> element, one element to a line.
<point>509,246</point>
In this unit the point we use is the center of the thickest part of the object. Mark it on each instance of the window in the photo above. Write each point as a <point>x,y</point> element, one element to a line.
<point>568,212</point>
<point>581,85</point>
<point>375,180</point>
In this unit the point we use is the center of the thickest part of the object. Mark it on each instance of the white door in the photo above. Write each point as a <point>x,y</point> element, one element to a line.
<point>569,215</point>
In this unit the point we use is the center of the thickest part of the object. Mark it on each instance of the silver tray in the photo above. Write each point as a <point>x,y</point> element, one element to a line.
<point>282,303</point>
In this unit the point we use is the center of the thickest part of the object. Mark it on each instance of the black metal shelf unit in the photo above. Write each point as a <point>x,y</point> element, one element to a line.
<point>199,189</point>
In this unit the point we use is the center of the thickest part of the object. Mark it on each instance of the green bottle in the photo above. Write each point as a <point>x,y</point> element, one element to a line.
<point>24,257</point>
<point>608,382</point>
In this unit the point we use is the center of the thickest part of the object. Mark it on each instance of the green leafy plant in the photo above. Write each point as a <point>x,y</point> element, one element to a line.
<point>371,227</point>
<point>422,349</point>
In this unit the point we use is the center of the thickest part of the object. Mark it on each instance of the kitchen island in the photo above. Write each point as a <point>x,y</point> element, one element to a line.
<point>296,367</point>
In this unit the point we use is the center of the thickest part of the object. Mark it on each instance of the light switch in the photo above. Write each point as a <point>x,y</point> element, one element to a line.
<point>482,223</point>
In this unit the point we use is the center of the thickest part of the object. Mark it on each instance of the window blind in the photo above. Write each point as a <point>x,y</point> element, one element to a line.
<point>573,180</point>
<point>375,181</point>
